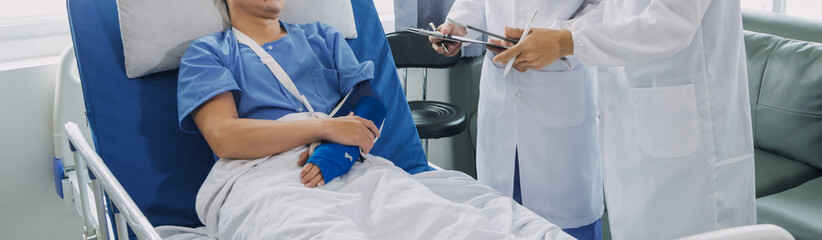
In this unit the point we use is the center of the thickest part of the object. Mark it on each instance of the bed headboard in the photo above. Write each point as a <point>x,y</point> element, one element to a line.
<point>134,123</point>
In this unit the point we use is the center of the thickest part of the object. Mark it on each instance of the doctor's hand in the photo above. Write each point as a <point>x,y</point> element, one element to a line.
<point>350,130</point>
<point>453,47</point>
<point>497,50</point>
<point>539,49</point>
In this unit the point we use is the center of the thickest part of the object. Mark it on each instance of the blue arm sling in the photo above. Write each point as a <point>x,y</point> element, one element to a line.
<point>335,159</point>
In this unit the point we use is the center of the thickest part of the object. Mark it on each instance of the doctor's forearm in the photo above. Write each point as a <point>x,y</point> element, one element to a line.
<point>566,43</point>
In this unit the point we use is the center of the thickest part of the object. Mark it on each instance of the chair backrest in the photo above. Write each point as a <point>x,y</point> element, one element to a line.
<point>414,51</point>
<point>785,88</point>
<point>134,120</point>
<point>782,25</point>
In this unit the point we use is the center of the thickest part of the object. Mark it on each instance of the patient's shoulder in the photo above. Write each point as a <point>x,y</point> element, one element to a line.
<point>317,29</point>
<point>210,49</point>
<point>214,41</point>
<point>212,45</point>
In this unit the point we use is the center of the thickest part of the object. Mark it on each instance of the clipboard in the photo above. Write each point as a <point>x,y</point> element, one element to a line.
<point>483,31</point>
<point>452,38</point>
<point>449,37</point>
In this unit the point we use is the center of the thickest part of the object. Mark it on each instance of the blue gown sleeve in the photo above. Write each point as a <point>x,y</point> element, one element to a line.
<point>203,75</point>
<point>350,71</point>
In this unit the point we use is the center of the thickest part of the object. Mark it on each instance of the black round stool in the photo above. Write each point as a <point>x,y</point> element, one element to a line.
<point>433,119</point>
<point>437,119</point>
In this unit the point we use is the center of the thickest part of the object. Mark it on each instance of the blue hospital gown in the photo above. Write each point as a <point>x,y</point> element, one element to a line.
<point>315,56</point>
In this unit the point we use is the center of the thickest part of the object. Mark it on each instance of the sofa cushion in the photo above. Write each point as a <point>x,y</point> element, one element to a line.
<point>798,210</point>
<point>758,48</point>
<point>776,174</point>
<point>789,111</point>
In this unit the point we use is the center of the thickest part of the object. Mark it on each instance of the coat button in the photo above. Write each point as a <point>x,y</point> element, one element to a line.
<point>270,47</point>
<point>519,92</point>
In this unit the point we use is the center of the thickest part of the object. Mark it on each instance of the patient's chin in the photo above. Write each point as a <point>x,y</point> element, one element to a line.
<point>274,6</point>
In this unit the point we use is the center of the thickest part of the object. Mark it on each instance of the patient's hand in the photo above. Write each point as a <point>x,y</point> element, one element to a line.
<point>310,175</point>
<point>351,130</point>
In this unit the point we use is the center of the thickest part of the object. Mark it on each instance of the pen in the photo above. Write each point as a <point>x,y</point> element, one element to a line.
<point>441,43</point>
<point>524,33</point>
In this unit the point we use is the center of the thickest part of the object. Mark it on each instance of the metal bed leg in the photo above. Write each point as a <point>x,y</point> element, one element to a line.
<point>122,226</point>
<point>102,219</point>
<point>83,181</point>
<point>87,159</point>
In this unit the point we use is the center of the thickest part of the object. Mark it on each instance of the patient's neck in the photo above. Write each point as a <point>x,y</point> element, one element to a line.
<point>261,30</point>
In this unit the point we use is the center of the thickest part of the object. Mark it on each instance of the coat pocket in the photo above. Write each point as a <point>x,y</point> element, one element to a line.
<point>666,120</point>
<point>560,98</point>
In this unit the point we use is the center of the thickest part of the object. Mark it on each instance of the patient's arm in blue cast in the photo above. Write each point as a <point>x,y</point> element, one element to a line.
<point>232,137</point>
<point>335,159</point>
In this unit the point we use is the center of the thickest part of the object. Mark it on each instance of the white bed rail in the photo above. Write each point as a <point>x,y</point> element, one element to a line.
<point>95,215</point>
<point>751,232</point>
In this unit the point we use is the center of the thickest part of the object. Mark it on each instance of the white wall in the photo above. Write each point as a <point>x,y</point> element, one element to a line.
<point>385,9</point>
<point>29,205</point>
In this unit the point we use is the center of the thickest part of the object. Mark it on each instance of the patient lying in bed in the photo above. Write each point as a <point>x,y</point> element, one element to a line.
<point>262,188</point>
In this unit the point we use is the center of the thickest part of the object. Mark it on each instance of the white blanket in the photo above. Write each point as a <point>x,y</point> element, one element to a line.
<point>263,199</point>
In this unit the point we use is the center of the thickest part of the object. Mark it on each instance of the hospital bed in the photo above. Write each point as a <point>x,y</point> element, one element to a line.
<point>142,171</point>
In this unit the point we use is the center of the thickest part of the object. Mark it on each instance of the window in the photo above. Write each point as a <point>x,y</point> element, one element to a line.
<point>804,8</point>
<point>761,5</point>
<point>811,9</point>
<point>16,10</point>
<point>385,9</point>
<point>32,32</point>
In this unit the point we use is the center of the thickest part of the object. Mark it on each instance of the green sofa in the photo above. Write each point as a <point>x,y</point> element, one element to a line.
<point>785,76</point>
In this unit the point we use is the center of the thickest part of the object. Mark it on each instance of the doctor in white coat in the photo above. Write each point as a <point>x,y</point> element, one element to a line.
<point>537,130</point>
<point>677,138</point>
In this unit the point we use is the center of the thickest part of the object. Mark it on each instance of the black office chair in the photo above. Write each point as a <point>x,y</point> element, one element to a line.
<point>433,119</point>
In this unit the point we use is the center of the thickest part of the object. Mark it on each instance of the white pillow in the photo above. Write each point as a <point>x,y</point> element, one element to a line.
<point>156,33</point>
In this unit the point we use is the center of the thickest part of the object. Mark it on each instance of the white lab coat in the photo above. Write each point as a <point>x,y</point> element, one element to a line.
<point>677,138</point>
<point>549,116</point>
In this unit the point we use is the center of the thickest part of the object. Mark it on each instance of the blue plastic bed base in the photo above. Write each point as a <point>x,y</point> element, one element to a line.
<point>59,175</point>
<point>134,123</point>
